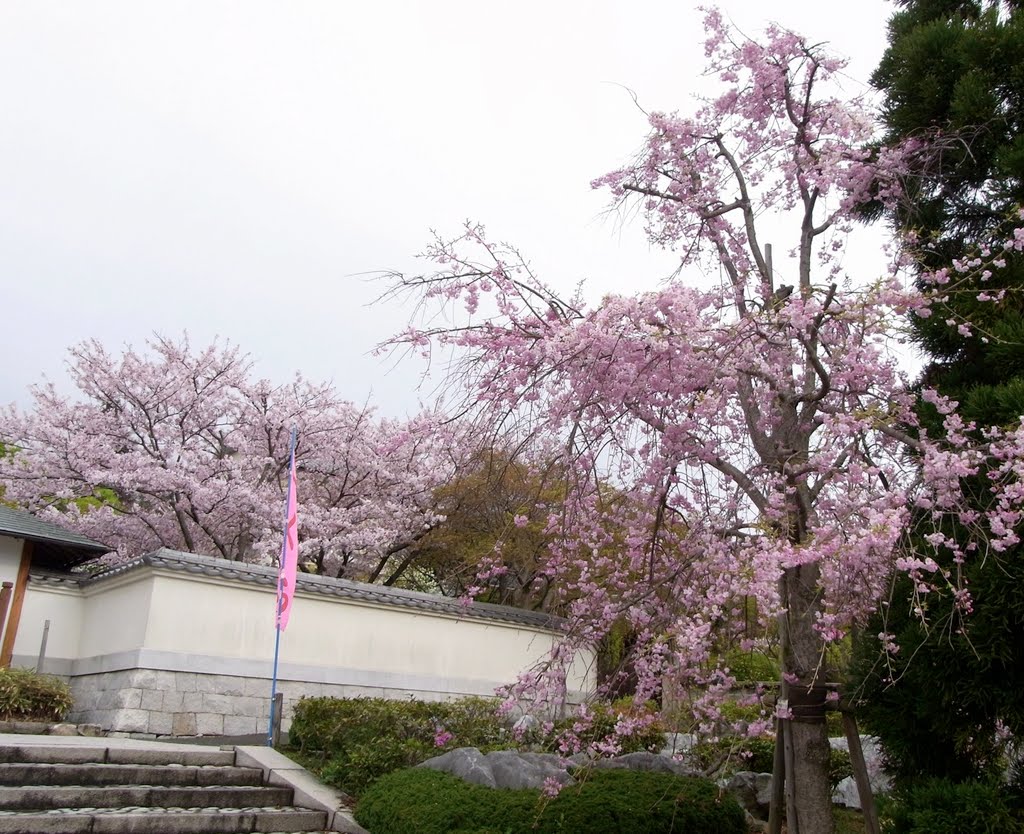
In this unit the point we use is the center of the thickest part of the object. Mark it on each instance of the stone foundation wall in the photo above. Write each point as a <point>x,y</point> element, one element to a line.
<point>159,703</point>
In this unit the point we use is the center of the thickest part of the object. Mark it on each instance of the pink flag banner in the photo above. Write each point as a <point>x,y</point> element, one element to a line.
<point>289,553</point>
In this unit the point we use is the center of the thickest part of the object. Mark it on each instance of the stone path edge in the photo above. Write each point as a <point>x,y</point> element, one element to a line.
<point>309,792</point>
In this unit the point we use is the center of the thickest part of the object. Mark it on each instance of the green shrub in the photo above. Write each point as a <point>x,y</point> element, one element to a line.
<point>357,740</point>
<point>605,717</point>
<point>940,806</point>
<point>28,696</point>
<point>751,667</point>
<point>421,801</point>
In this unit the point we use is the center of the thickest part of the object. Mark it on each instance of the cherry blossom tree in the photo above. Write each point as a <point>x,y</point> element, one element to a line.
<point>745,438</point>
<point>183,448</point>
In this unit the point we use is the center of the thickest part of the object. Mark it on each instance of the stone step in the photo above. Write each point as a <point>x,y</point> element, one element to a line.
<point>126,774</point>
<point>164,821</point>
<point>48,798</point>
<point>46,754</point>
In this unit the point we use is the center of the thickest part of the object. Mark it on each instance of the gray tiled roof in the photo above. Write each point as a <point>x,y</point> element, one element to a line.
<point>56,545</point>
<point>377,594</point>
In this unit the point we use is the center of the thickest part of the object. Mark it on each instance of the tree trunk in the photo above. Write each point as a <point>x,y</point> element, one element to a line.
<point>809,804</point>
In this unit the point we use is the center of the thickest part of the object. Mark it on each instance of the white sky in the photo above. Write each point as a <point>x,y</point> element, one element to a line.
<point>235,168</point>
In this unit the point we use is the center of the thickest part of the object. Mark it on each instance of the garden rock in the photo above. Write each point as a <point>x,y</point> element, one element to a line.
<point>676,743</point>
<point>527,770</point>
<point>752,790</point>
<point>511,769</point>
<point>502,768</point>
<point>467,763</point>
<point>649,762</point>
<point>846,792</point>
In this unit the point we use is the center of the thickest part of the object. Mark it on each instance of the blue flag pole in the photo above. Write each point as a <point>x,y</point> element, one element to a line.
<point>280,598</point>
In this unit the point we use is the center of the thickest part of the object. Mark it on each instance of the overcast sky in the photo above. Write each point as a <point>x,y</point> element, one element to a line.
<point>235,169</point>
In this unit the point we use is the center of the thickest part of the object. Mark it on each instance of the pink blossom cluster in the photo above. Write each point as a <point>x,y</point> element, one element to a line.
<point>183,448</point>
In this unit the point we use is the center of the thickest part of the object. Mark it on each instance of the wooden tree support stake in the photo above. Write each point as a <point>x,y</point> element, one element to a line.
<point>778,782</point>
<point>860,774</point>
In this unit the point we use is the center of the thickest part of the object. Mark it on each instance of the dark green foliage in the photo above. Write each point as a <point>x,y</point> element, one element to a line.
<point>938,806</point>
<point>28,696</point>
<point>954,681</point>
<point>606,802</point>
<point>357,740</point>
<point>954,74</point>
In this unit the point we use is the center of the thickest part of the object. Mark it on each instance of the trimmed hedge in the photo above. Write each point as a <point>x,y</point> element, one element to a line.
<point>28,696</point>
<point>351,742</point>
<point>422,801</point>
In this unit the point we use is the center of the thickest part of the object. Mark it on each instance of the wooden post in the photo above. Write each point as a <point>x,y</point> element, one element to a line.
<point>42,647</point>
<point>5,603</point>
<point>792,820</point>
<point>275,732</point>
<point>860,774</point>
<point>18,599</point>
<point>778,782</point>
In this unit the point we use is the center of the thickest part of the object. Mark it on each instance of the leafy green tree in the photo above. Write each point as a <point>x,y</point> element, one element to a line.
<point>953,75</point>
<point>495,513</point>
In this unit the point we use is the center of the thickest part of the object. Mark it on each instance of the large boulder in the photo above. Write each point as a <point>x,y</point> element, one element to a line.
<point>511,769</point>
<point>527,770</point>
<point>650,762</point>
<point>468,763</point>
<point>752,790</point>
<point>846,792</point>
<point>502,768</point>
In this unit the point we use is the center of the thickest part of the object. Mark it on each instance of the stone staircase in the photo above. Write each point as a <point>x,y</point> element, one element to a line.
<point>157,789</point>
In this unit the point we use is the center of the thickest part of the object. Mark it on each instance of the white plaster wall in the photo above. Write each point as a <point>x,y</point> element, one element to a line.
<point>209,616</point>
<point>10,558</point>
<point>63,608</point>
<point>187,623</point>
<point>115,614</point>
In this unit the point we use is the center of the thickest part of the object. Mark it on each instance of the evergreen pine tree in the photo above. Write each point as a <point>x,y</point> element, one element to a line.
<point>954,74</point>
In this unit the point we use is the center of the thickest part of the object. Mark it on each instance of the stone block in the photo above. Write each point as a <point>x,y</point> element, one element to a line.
<point>222,685</point>
<point>118,699</point>
<point>240,725</point>
<point>217,703</point>
<point>106,699</point>
<point>152,699</point>
<point>251,707</point>
<point>256,687</point>
<point>85,698</point>
<point>164,680</point>
<point>161,723</point>
<point>184,724</point>
<point>121,679</point>
<point>186,682</point>
<point>131,721</point>
<point>301,689</point>
<point>209,724</point>
<point>144,678</point>
<point>173,702</point>
<point>192,702</point>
